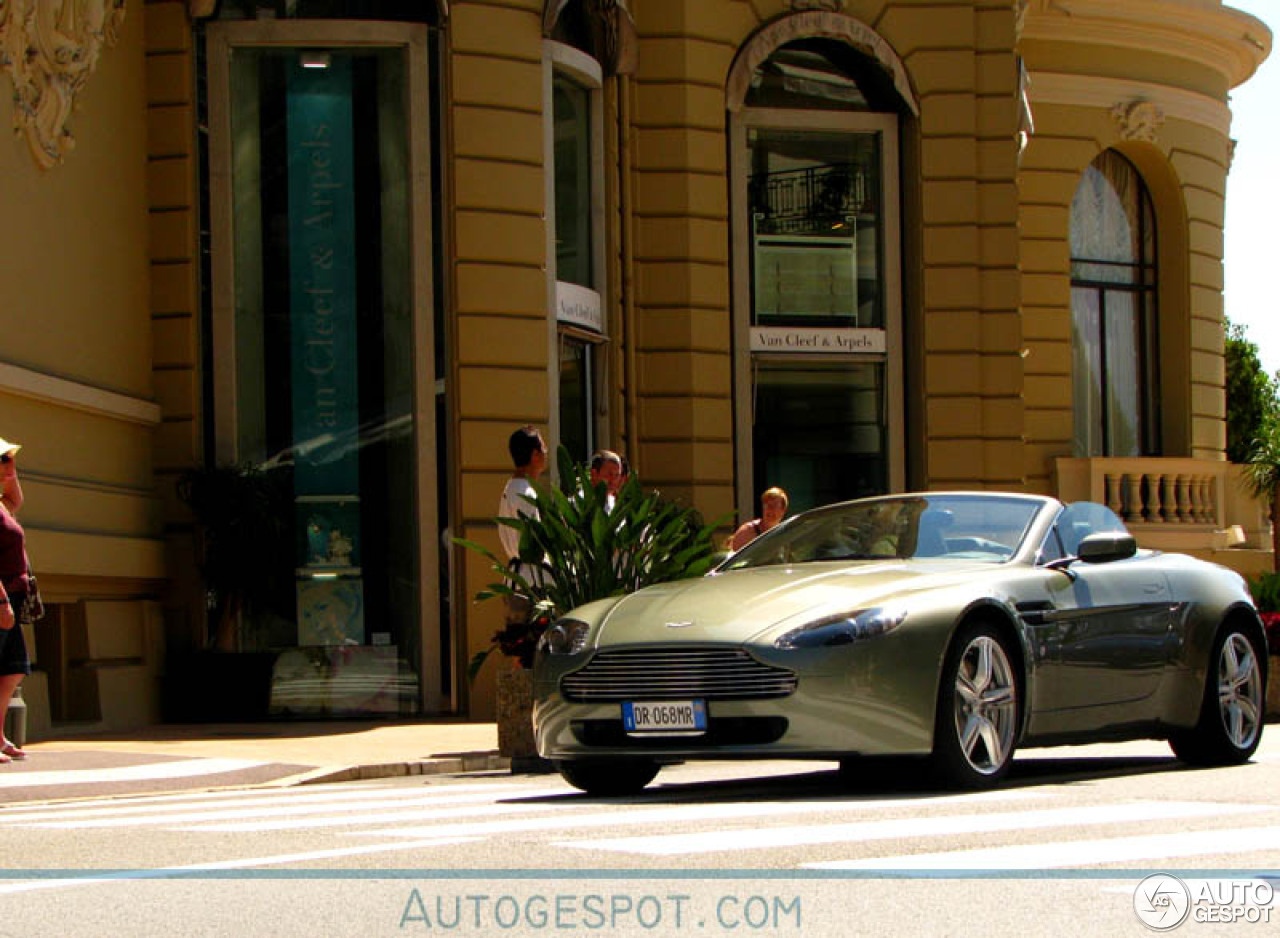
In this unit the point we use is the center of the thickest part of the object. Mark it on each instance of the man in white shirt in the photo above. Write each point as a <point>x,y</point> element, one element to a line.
<point>529,456</point>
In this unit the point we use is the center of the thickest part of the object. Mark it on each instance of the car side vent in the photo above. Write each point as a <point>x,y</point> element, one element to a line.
<point>676,674</point>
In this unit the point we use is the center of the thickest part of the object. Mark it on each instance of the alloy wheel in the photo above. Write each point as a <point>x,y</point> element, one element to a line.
<point>986,705</point>
<point>1239,690</point>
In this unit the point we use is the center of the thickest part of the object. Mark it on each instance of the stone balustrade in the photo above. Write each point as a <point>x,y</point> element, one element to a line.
<point>1151,491</point>
<point>1198,506</point>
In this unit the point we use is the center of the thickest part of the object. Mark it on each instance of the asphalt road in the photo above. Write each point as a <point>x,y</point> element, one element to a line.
<point>778,848</point>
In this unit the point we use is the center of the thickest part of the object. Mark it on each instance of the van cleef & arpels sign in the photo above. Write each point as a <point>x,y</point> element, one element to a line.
<point>820,341</point>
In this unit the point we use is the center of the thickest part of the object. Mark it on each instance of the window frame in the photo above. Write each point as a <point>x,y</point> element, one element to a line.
<point>565,60</point>
<point>886,126</point>
<point>1144,288</point>
<point>222,38</point>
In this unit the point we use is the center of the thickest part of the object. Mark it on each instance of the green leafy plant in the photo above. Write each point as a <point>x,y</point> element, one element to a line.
<point>1266,592</point>
<point>1266,596</point>
<point>1262,475</point>
<point>1251,393</point>
<point>584,551</point>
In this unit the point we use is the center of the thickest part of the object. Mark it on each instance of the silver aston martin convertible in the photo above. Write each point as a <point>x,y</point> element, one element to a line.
<point>952,626</point>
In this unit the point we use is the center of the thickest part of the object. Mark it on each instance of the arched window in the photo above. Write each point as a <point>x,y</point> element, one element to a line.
<point>817,273</point>
<point>1116,376</point>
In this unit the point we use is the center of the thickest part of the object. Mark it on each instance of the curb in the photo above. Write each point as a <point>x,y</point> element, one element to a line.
<point>442,764</point>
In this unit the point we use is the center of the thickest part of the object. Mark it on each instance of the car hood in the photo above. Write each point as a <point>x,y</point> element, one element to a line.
<point>741,605</point>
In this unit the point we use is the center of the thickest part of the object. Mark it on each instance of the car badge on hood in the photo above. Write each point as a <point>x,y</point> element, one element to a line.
<point>679,625</point>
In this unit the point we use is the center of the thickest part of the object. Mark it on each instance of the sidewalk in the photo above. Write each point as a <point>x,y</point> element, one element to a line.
<point>177,757</point>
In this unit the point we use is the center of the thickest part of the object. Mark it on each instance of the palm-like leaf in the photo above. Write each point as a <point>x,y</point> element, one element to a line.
<point>1262,475</point>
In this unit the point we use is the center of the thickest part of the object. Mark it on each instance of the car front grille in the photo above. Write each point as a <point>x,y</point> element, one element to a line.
<point>676,674</point>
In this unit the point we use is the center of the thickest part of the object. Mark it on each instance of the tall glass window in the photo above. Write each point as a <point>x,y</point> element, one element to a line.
<point>324,369</point>
<point>575,157</point>
<point>815,204</point>
<point>817,284</point>
<point>577,396</point>
<point>820,430</point>
<point>1116,378</point>
<point>571,116</point>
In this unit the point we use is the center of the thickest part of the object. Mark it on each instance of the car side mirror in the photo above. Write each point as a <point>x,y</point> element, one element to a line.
<point>1105,548</point>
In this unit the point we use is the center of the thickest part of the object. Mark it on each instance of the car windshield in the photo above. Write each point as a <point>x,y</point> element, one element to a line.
<point>955,527</point>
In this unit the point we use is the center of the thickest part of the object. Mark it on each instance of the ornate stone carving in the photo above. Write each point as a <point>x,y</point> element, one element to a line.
<point>49,48</point>
<point>1138,119</point>
<point>834,6</point>
<point>615,35</point>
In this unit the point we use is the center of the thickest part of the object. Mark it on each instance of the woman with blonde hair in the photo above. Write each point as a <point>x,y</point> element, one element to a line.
<point>773,508</point>
<point>14,581</point>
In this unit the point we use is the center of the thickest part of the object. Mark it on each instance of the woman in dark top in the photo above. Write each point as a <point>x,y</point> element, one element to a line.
<point>14,664</point>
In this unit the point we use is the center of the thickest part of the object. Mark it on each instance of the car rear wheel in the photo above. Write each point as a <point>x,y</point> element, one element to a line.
<point>622,777</point>
<point>979,704</point>
<point>1231,712</point>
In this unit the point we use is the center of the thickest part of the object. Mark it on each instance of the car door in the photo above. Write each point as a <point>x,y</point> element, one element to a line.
<point>1103,638</point>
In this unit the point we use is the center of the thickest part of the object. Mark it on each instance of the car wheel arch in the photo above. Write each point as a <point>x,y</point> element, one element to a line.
<point>989,612</point>
<point>1208,738</point>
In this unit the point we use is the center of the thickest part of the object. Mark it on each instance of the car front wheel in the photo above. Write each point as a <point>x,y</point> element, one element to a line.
<point>978,710</point>
<point>1231,712</point>
<point>623,777</point>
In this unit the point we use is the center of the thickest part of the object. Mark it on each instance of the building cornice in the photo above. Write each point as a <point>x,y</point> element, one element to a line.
<point>38,386</point>
<point>1218,37</point>
<point>1107,93</point>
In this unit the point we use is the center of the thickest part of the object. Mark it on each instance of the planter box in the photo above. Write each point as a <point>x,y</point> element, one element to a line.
<point>515,713</point>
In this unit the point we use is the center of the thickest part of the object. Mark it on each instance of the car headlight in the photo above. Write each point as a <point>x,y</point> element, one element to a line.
<point>564,637</point>
<point>844,629</point>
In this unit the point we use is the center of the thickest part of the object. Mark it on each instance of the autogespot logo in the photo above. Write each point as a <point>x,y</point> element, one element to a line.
<point>1162,901</point>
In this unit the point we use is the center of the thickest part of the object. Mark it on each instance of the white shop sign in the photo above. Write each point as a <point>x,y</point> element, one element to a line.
<point>828,341</point>
<point>579,306</point>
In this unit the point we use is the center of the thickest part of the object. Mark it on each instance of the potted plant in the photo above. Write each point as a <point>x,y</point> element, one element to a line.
<point>585,552</point>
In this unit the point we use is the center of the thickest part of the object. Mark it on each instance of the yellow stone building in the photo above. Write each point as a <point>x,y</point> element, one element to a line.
<point>842,246</point>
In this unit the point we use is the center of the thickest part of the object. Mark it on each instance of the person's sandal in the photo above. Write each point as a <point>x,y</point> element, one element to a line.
<point>11,752</point>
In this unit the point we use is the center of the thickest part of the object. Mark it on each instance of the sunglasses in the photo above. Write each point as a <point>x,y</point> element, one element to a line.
<point>6,458</point>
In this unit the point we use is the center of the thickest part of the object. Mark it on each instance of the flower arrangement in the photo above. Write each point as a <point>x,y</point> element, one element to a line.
<point>517,639</point>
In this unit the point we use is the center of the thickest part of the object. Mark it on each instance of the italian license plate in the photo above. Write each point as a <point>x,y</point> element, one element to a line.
<point>665,716</point>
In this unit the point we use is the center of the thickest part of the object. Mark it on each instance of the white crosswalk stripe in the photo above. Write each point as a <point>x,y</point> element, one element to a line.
<point>384,809</point>
<point>181,768</point>
<point>1061,854</point>
<point>919,827</point>
<point>1036,828</point>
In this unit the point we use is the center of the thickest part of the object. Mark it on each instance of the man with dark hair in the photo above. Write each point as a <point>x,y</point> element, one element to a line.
<point>529,457</point>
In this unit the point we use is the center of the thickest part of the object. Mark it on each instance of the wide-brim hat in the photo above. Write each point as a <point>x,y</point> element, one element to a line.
<point>7,448</point>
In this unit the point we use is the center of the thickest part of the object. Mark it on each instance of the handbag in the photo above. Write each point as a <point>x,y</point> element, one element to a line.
<point>32,608</point>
